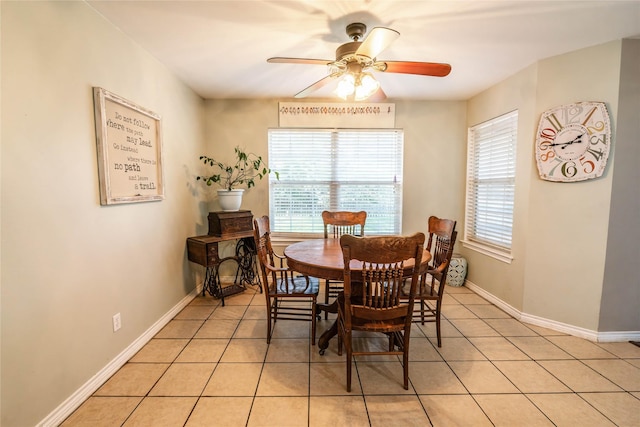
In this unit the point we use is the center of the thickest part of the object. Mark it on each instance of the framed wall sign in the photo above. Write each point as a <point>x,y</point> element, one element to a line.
<point>129,142</point>
<point>354,115</point>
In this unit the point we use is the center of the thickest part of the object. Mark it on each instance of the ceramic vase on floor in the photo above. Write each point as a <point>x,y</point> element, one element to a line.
<point>457,270</point>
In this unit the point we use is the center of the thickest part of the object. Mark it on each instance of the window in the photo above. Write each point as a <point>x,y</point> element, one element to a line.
<point>325,169</point>
<point>491,172</point>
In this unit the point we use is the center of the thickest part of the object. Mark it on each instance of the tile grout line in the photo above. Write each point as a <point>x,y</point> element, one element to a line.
<point>420,333</point>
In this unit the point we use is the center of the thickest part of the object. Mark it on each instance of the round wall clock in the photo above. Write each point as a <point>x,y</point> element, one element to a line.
<point>573,141</point>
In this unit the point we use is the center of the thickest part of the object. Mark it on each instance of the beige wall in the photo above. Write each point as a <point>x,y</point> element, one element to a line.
<point>244,123</point>
<point>69,264</point>
<point>620,308</point>
<point>434,154</point>
<point>560,229</point>
<point>1,222</point>
<point>568,222</point>
<point>506,281</point>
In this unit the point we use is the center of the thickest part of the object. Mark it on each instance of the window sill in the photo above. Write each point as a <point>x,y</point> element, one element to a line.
<point>286,239</point>
<point>486,250</point>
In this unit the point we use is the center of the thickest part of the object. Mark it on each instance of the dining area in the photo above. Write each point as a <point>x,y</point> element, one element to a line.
<point>373,282</point>
<point>211,365</point>
<point>351,329</point>
<point>179,357</point>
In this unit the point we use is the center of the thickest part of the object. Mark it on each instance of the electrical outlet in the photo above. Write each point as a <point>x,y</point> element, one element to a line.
<point>117,322</point>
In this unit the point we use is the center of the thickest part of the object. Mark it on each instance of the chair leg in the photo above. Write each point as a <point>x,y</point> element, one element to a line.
<point>349,357</point>
<point>326,298</point>
<point>438,307</point>
<point>405,363</point>
<point>269,316</point>
<point>313,321</point>
<point>423,279</point>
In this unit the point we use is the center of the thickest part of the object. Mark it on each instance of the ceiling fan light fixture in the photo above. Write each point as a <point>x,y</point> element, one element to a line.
<point>346,86</point>
<point>367,86</point>
<point>358,86</point>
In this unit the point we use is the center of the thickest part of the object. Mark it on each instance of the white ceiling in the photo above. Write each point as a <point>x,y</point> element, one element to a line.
<point>220,48</point>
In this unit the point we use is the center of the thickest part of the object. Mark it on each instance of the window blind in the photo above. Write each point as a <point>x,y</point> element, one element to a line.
<point>491,171</point>
<point>324,169</point>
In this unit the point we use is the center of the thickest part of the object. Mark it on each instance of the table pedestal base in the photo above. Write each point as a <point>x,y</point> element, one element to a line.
<point>323,341</point>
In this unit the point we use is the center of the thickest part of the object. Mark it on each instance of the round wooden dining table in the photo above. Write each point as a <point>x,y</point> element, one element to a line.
<point>322,258</point>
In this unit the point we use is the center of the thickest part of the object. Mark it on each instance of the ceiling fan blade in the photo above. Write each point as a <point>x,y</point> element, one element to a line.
<point>282,60</point>
<point>435,69</point>
<point>377,96</point>
<point>317,85</point>
<point>378,40</point>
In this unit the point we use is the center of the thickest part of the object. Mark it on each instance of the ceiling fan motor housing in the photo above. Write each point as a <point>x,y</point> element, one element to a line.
<point>356,31</point>
<point>347,49</point>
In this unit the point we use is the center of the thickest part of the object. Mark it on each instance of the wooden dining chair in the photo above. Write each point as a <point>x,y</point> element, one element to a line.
<point>371,299</point>
<point>428,299</point>
<point>284,289</point>
<point>336,224</point>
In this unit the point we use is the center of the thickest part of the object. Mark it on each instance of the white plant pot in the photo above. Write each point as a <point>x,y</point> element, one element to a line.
<point>230,200</point>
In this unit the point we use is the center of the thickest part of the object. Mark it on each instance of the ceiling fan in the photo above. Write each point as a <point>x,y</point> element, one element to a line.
<point>357,59</point>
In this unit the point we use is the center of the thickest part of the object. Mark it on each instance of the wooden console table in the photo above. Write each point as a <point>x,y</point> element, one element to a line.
<point>203,250</point>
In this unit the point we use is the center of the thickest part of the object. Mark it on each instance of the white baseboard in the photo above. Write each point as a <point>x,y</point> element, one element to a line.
<point>591,335</point>
<point>494,300</point>
<point>565,328</point>
<point>619,336</point>
<point>83,393</point>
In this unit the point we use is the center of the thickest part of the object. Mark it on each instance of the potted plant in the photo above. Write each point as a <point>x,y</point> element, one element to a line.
<point>244,171</point>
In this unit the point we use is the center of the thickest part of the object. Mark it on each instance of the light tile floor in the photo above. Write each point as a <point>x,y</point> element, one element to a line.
<point>211,366</point>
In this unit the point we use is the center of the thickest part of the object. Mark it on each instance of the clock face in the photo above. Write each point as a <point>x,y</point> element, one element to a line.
<point>572,142</point>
